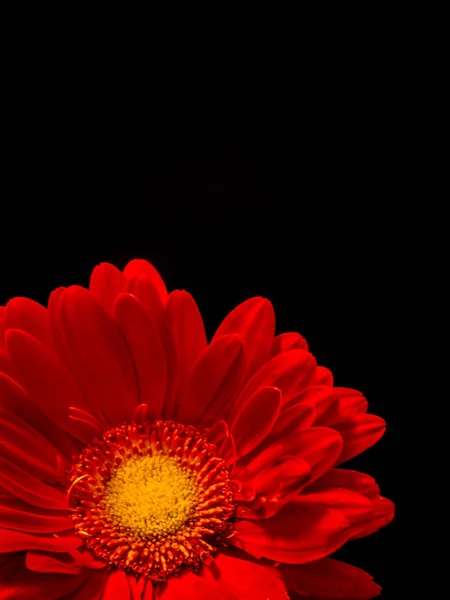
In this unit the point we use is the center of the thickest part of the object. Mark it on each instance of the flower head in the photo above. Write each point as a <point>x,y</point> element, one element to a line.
<point>138,461</point>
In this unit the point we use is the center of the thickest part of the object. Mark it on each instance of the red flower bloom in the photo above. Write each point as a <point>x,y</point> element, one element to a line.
<point>139,462</point>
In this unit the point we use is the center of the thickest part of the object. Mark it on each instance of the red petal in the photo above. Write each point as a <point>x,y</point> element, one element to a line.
<point>323,376</point>
<point>17,515</point>
<point>27,448</point>
<point>5,366</point>
<point>331,579</point>
<point>294,418</point>
<point>29,316</point>
<point>377,512</point>
<point>334,405</point>
<point>141,588</point>
<point>255,419</point>
<point>191,586</point>
<point>143,268</point>
<point>272,488</point>
<point>18,541</point>
<point>25,486</point>
<point>18,582</point>
<point>289,372</point>
<point>351,504</point>
<point>116,586</point>
<point>287,341</point>
<point>245,579</point>
<point>320,447</point>
<point>150,299</point>
<point>149,593</point>
<point>2,327</point>
<point>289,469</point>
<point>146,350</point>
<point>72,544</point>
<point>254,322</point>
<point>351,480</point>
<point>92,588</point>
<point>213,380</point>
<point>46,380</point>
<point>188,338</point>
<point>16,401</point>
<point>359,433</point>
<point>382,513</point>
<point>351,402</point>
<point>47,563</point>
<point>227,578</point>
<point>98,354</point>
<point>296,534</point>
<point>107,282</point>
<point>217,433</point>
<point>326,403</point>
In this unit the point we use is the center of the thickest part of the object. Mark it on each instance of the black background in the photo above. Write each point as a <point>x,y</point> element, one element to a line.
<point>307,217</point>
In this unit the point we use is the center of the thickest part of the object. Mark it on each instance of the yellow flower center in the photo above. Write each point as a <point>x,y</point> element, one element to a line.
<point>151,495</point>
<point>151,498</point>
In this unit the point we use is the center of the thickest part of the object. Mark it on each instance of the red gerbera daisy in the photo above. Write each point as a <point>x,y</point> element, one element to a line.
<point>139,461</point>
